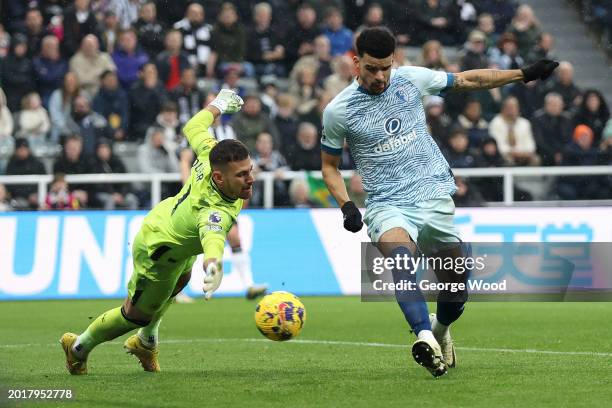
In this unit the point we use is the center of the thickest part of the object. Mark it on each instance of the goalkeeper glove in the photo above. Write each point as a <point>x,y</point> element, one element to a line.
<point>212,279</point>
<point>540,70</point>
<point>227,101</point>
<point>352,217</point>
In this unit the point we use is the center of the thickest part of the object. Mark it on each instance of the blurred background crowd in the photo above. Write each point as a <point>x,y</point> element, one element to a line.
<point>105,86</point>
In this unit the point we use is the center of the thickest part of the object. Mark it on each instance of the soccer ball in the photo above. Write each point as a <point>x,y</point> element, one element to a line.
<point>280,316</point>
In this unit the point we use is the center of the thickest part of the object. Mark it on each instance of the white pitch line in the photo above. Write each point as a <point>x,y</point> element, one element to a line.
<point>340,343</point>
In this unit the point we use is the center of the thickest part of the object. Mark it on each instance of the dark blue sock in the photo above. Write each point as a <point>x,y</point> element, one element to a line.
<point>451,305</point>
<point>412,302</point>
<point>448,312</point>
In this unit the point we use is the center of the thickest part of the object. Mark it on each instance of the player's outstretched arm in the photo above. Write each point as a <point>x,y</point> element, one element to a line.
<point>196,129</point>
<point>335,184</point>
<point>492,78</point>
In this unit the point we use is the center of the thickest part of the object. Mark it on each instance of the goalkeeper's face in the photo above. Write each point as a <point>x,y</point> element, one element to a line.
<point>374,73</point>
<point>235,179</point>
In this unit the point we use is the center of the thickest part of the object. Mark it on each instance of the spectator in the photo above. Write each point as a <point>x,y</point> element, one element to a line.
<point>111,196</point>
<point>513,135</point>
<point>79,22</point>
<point>34,30</point>
<point>5,203</point>
<point>286,122</point>
<point>269,92</point>
<point>90,125</point>
<point>187,96</point>
<point>437,121</point>
<point>73,161</point>
<point>49,68</point>
<point>486,25</point>
<point>432,56</point>
<point>197,37</point>
<point>6,121</point>
<point>542,50</point>
<point>111,30</point>
<point>172,62</point>
<point>264,45</point>
<point>251,121</point>
<point>581,152</point>
<point>467,194</point>
<point>22,162</point>
<point>231,80</point>
<point>340,37</point>
<point>342,76</point>
<point>306,153</point>
<point>505,55</point>
<point>155,155</point>
<point>89,64</point>
<point>551,129</point>
<point>526,28</point>
<point>229,44</point>
<point>474,55</point>
<point>146,97</point>
<point>17,72</point>
<point>60,105</point>
<point>5,42</point>
<point>374,17</point>
<point>127,11</point>
<point>32,122</point>
<point>502,11</point>
<point>299,193</point>
<point>301,42</point>
<point>491,188</point>
<point>305,90</point>
<point>593,112</point>
<point>434,21</point>
<point>150,30</point>
<point>315,114</point>
<point>457,153</point>
<point>129,58</point>
<point>112,103</point>
<point>167,120</point>
<point>60,196</point>
<point>320,61</point>
<point>530,96</point>
<point>471,120</point>
<point>563,84</point>
<point>266,158</point>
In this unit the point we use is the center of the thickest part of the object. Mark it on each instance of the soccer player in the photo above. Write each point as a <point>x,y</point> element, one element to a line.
<point>408,181</point>
<point>241,261</point>
<point>176,230</point>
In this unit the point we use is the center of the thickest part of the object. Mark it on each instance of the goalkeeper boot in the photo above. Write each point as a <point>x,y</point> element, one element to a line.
<point>428,354</point>
<point>446,344</point>
<point>255,291</point>
<point>147,355</point>
<point>75,365</point>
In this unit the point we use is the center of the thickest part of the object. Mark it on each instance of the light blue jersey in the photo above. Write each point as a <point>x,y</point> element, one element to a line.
<point>398,160</point>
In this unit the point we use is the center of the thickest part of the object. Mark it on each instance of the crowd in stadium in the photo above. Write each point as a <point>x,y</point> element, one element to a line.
<point>80,78</point>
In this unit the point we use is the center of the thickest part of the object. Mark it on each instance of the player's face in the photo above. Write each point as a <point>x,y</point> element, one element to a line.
<point>374,73</point>
<point>237,179</point>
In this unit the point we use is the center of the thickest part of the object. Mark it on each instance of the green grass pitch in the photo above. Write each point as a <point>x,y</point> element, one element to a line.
<point>349,354</point>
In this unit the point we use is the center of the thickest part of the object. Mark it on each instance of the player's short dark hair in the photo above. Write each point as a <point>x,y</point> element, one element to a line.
<point>378,42</point>
<point>228,150</point>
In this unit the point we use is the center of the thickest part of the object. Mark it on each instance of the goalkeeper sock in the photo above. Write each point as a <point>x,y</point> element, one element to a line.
<point>149,334</point>
<point>411,302</point>
<point>107,326</point>
<point>241,261</point>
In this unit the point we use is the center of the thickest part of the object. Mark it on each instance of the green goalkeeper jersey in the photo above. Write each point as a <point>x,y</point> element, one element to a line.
<point>199,217</point>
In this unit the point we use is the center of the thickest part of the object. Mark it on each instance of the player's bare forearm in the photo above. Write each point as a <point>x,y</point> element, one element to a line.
<point>485,79</point>
<point>333,179</point>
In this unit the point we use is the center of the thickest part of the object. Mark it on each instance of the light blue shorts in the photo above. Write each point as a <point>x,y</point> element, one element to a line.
<point>429,223</point>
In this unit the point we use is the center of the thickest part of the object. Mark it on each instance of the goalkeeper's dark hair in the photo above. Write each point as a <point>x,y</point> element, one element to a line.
<point>377,42</point>
<point>228,150</point>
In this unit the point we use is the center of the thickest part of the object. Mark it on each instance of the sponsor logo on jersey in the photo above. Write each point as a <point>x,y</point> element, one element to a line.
<point>394,143</point>
<point>393,126</point>
<point>402,94</point>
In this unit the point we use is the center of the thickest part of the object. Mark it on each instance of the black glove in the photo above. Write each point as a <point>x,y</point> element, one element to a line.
<point>352,217</point>
<point>540,70</point>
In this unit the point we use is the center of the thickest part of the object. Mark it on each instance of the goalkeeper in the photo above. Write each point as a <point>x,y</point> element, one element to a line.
<point>196,220</point>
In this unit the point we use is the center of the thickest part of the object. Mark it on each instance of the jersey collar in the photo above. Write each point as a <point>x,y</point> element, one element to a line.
<point>218,190</point>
